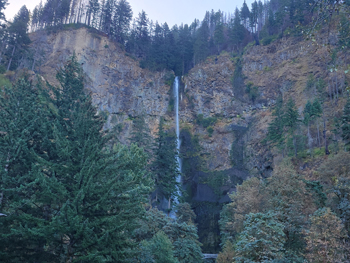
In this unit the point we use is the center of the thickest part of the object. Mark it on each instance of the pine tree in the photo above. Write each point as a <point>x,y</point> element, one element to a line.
<point>219,37</point>
<point>185,47</point>
<point>201,45</point>
<point>107,17</point>
<point>19,39</point>
<point>276,127</point>
<point>21,126</point>
<point>3,4</point>
<point>165,166</point>
<point>140,134</point>
<point>121,21</point>
<point>237,31</point>
<point>91,195</point>
<point>290,120</point>
<point>245,14</point>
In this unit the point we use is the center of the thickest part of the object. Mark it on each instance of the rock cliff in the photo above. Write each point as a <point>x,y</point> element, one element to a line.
<point>221,119</point>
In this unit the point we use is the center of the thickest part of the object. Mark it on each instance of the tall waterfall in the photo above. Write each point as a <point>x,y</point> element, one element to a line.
<point>176,96</point>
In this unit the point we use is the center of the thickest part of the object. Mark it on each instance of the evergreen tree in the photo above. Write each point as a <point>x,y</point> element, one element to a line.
<point>140,134</point>
<point>245,14</point>
<point>121,20</point>
<point>3,4</point>
<point>237,31</point>
<point>219,37</point>
<point>22,133</point>
<point>19,39</point>
<point>185,47</point>
<point>311,112</point>
<point>90,194</point>
<point>276,127</point>
<point>62,11</point>
<point>184,238</point>
<point>201,45</point>
<point>290,120</point>
<point>142,38</point>
<point>107,17</point>
<point>165,166</point>
<point>158,249</point>
<point>93,8</point>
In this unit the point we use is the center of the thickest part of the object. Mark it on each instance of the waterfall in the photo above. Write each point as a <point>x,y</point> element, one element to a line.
<point>176,102</point>
<point>176,96</point>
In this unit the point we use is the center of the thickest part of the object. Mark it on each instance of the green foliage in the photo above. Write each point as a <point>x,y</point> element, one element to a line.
<point>317,189</point>
<point>179,238</point>
<point>238,79</point>
<point>192,160</point>
<point>282,130</point>
<point>205,122</point>
<point>169,79</point>
<point>141,134</point>
<point>320,85</point>
<point>2,69</point>
<point>185,214</point>
<point>262,239</point>
<point>310,82</point>
<point>210,130</point>
<point>4,82</point>
<point>185,241</point>
<point>227,253</point>
<point>252,91</point>
<point>64,187</point>
<point>268,40</point>
<point>249,197</point>
<point>158,249</point>
<point>165,166</point>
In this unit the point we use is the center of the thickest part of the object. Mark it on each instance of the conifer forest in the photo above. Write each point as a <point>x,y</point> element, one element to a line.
<point>125,140</point>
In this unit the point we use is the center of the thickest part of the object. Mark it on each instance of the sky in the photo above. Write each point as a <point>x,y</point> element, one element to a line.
<point>170,11</point>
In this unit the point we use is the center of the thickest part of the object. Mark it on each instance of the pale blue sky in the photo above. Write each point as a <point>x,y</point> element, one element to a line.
<point>170,11</point>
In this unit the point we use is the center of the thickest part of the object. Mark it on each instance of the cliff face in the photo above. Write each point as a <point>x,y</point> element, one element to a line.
<point>227,124</point>
<point>119,87</point>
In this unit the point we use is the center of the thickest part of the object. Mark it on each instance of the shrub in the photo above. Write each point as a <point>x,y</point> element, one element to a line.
<point>210,130</point>
<point>205,122</point>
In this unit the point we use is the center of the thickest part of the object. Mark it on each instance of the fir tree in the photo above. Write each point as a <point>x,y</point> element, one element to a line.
<point>3,4</point>
<point>165,166</point>
<point>91,195</point>
<point>140,134</point>
<point>201,45</point>
<point>237,31</point>
<point>121,20</point>
<point>19,39</point>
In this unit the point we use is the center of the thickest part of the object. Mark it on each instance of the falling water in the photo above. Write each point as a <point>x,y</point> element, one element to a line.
<point>176,95</point>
